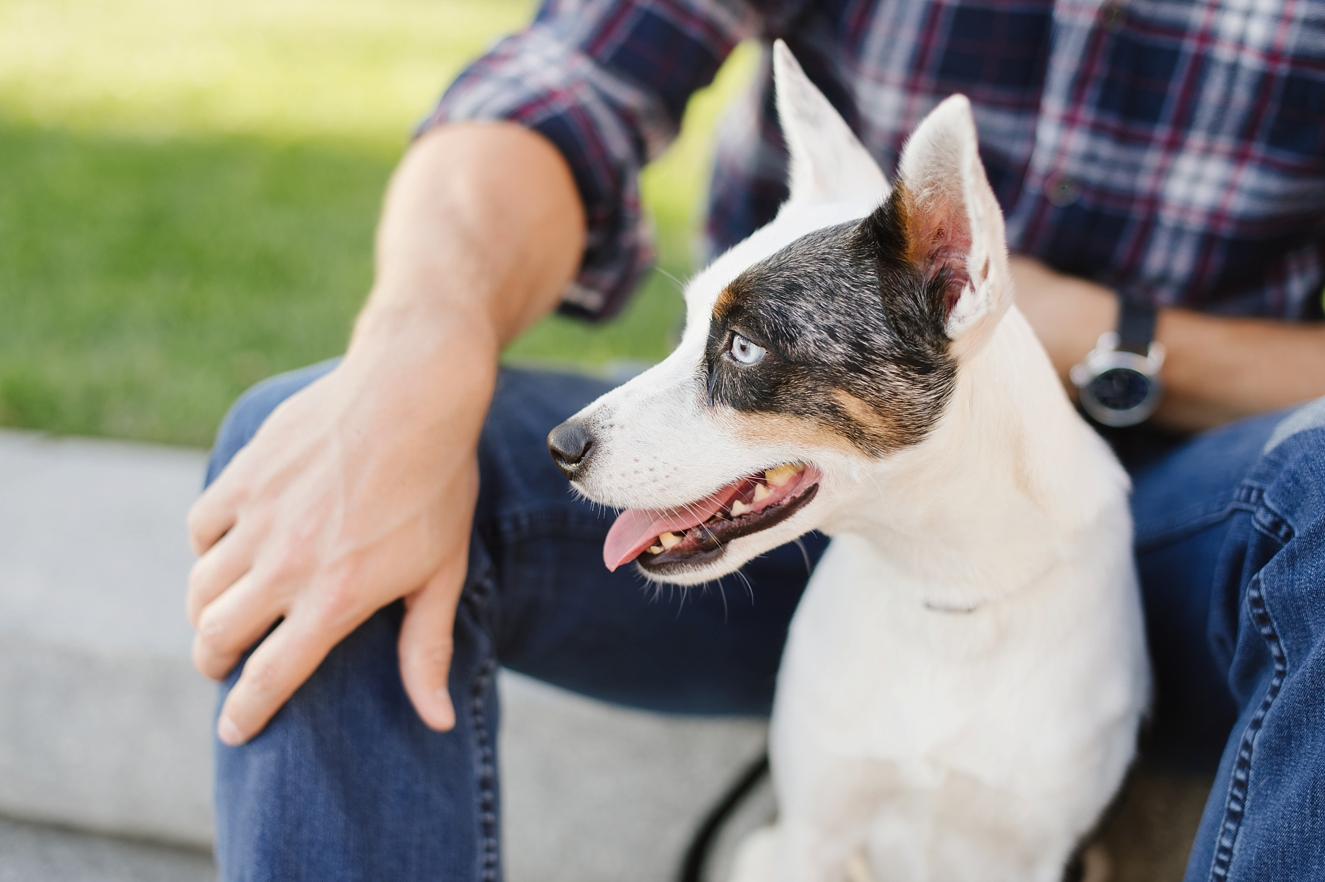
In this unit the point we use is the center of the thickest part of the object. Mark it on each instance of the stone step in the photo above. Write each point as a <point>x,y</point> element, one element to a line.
<point>106,727</point>
<point>33,853</point>
<point>102,724</point>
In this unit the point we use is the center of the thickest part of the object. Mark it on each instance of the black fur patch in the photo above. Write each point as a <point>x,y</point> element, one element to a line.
<point>853,329</point>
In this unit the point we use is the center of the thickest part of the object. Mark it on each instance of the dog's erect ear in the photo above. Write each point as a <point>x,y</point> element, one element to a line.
<point>953,222</point>
<point>828,162</point>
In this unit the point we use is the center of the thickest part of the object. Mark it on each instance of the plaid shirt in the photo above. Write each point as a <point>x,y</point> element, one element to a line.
<point>1173,150</point>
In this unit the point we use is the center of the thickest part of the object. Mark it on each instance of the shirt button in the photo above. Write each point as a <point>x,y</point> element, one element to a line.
<point>1061,191</point>
<point>1112,15</point>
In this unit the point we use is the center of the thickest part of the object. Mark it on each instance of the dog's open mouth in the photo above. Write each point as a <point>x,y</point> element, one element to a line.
<point>696,533</point>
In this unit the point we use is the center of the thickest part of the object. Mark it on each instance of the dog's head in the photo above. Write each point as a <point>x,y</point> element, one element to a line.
<point>814,351</point>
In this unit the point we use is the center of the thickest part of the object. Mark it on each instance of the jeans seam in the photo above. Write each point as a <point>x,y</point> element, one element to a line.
<point>1272,524</point>
<point>488,845</point>
<point>1235,805</point>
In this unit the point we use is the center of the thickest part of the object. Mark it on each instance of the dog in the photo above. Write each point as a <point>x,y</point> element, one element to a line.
<point>964,678</point>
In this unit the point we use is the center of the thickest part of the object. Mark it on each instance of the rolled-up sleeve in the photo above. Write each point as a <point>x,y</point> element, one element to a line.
<point>606,81</point>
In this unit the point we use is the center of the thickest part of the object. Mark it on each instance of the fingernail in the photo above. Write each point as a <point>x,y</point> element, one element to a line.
<point>447,715</point>
<point>228,732</point>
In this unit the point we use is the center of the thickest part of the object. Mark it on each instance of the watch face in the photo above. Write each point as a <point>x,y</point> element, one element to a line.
<point>1120,388</point>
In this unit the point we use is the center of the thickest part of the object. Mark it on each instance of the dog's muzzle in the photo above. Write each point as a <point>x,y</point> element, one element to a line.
<point>570,444</point>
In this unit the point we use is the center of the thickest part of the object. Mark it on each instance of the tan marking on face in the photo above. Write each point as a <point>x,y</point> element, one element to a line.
<point>883,433</point>
<point>798,430</point>
<point>727,300</point>
<point>876,433</point>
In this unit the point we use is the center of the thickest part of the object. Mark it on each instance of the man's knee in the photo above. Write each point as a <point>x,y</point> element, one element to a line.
<point>1284,555</point>
<point>1290,474</point>
<point>1304,419</point>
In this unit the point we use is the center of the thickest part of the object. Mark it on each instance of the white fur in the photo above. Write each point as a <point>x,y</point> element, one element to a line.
<point>965,675</point>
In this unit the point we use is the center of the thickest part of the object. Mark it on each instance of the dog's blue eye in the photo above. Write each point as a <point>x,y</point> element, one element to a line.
<point>745,352</point>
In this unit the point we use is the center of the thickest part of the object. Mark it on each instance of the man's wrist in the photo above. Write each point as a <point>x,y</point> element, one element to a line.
<point>387,324</point>
<point>438,364</point>
<point>482,220</point>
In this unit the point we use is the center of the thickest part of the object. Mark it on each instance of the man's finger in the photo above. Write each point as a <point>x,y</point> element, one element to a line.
<point>426,642</point>
<point>211,664</point>
<point>281,663</point>
<point>234,622</point>
<point>212,515</point>
<point>219,568</point>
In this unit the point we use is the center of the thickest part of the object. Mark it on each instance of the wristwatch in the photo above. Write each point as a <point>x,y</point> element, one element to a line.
<point>1118,381</point>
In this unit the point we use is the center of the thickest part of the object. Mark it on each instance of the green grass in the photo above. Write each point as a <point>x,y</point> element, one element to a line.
<point>188,193</point>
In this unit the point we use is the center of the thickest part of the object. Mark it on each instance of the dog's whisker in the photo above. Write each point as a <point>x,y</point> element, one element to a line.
<point>685,592</point>
<point>749,586</point>
<point>805,553</point>
<point>680,285</point>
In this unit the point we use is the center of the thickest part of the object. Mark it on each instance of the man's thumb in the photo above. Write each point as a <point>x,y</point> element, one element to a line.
<point>426,640</point>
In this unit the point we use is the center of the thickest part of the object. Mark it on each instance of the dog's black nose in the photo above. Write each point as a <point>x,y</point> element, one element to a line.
<point>570,444</point>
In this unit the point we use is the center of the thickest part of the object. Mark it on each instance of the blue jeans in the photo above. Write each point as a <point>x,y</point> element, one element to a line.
<point>347,783</point>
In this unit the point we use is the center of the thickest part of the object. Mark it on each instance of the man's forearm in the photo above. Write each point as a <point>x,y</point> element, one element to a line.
<point>1221,369</point>
<point>482,225</point>
<point>1217,370</point>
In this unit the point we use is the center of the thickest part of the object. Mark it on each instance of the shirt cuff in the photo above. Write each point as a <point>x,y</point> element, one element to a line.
<point>604,126</point>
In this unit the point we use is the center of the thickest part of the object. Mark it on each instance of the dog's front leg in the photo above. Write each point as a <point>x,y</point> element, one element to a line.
<point>794,853</point>
<point>756,858</point>
<point>996,843</point>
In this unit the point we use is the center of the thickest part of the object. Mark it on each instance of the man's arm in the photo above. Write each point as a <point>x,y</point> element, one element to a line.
<point>481,220</point>
<point>361,489</point>
<point>1217,370</point>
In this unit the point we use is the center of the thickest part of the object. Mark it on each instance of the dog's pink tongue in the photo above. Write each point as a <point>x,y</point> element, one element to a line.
<point>637,528</point>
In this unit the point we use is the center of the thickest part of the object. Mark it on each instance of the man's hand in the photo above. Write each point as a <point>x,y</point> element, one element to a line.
<point>354,493</point>
<point>1217,369</point>
<point>360,489</point>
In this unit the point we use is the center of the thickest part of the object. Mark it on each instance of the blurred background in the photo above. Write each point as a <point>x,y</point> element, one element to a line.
<point>188,193</point>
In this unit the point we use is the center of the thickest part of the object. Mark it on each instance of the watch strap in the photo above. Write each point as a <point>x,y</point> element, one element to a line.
<point>1136,326</point>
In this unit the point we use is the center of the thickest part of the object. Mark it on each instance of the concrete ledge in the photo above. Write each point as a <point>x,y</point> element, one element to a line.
<point>102,723</point>
<point>30,853</point>
<point>115,742</point>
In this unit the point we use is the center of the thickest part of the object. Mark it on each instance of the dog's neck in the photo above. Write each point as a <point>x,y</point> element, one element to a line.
<point>1002,490</point>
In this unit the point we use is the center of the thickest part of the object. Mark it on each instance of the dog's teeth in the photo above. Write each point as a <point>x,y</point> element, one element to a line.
<point>739,508</point>
<point>669,540</point>
<point>781,475</point>
<point>762,493</point>
<point>655,549</point>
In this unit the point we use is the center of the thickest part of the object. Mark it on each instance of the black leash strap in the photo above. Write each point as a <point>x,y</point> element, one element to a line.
<point>697,854</point>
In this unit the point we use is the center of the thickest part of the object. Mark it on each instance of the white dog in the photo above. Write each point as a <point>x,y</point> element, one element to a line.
<point>964,678</point>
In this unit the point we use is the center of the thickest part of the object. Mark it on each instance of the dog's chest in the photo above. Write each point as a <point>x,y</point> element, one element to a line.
<point>871,672</point>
